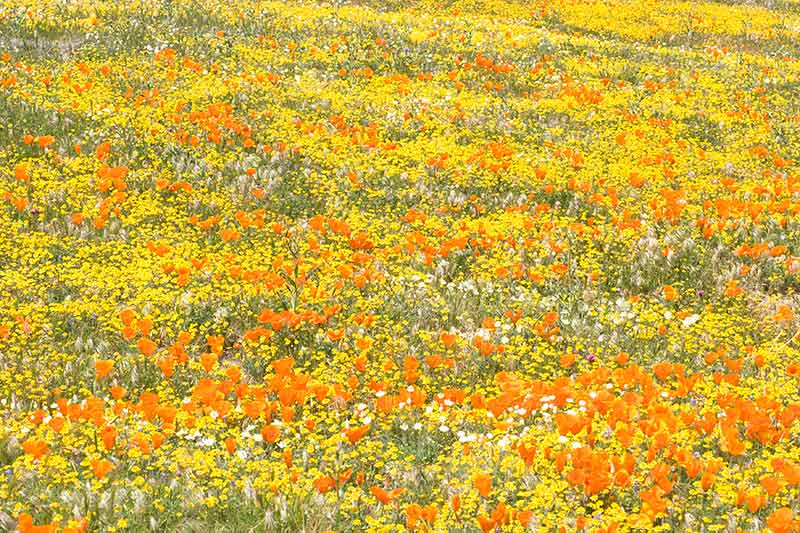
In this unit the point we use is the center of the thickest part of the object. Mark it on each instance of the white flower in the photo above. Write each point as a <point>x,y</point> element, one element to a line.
<point>690,320</point>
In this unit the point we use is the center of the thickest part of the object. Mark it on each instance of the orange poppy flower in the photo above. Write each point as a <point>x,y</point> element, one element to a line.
<point>356,434</point>
<point>146,346</point>
<point>101,468</point>
<point>21,172</point>
<point>102,367</point>
<point>324,484</point>
<point>335,335</point>
<point>782,521</point>
<point>482,483</point>
<point>270,433</point>
<point>383,496</point>
<point>109,436</point>
<point>448,339</point>
<point>35,448</point>
<point>670,293</point>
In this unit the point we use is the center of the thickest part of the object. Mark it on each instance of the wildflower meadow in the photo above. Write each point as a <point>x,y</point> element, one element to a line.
<point>400,265</point>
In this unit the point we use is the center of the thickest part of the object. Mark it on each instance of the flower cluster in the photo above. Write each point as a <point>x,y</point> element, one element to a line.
<point>399,266</point>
